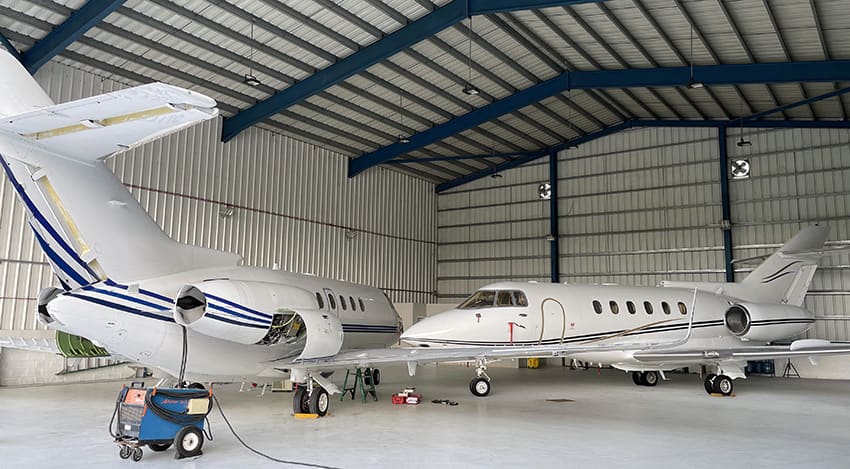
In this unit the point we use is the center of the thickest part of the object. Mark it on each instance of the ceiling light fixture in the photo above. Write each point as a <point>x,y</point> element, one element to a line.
<point>468,88</point>
<point>692,83</point>
<point>402,138</point>
<point>249,78</point>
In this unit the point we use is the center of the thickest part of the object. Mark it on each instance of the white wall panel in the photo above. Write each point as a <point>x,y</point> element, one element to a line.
<point>293,207</point>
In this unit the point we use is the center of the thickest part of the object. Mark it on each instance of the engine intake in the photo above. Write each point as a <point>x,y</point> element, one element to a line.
<point>259,313</point>
<point>767,322</point>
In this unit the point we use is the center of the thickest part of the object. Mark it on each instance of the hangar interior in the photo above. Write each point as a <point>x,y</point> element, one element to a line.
<point>402,143</point>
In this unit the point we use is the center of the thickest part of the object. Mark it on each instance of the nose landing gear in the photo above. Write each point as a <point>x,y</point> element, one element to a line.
<point>480,385</point>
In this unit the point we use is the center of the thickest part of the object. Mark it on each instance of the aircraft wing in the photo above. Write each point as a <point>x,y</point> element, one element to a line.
<point>94,128</point>
<point>33,344</point>
<point>799,348</point>
<point>420,355</point>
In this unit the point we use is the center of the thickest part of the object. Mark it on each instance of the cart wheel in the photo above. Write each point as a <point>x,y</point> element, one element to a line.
<point>189,441</point>
<point>125,452</point>
<point>159,447</point>
<point>137,454</point>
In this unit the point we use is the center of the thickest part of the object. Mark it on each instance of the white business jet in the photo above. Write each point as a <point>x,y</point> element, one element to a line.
<point>733,322</point>
<point>129,288</point>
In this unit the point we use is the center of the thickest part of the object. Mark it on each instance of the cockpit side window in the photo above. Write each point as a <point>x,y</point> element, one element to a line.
<point>479,299</point>
<point>504,298</point>
<point>520,299</point>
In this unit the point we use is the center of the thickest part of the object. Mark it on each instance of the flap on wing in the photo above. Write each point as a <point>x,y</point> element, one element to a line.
<point>800,348</point>
<point>94,128</point>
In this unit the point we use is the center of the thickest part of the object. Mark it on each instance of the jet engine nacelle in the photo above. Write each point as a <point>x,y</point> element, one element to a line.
<point>244,312</point>
<point>767,322</point>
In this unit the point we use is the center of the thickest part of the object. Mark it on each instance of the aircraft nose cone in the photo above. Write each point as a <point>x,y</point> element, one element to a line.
<point>435,327</point>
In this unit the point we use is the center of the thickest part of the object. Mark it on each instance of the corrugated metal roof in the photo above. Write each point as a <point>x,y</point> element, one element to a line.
<point>207,46</point>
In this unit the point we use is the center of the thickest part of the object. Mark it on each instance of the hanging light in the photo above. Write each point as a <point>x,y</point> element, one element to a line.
<point>402,138</point>
<point>468,88</point>
<point>692,83</point>
<point>249,78</point>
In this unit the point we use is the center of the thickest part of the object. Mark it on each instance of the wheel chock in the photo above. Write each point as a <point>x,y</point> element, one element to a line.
<point>717,394</point>
<point>306,416</point>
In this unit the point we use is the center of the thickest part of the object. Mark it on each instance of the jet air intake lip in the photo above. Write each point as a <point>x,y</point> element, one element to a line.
<point>190,305</point>
<point>738,320</point>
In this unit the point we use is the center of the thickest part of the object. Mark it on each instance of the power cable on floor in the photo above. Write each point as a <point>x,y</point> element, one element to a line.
<point>260,453</point>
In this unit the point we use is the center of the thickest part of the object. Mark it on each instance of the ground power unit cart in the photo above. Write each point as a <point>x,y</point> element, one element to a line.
<point>159,418</point>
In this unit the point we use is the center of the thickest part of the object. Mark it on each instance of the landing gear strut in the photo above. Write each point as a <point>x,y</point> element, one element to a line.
<point>645,378</point>
<point>718,384</point>
<point>311,399</point>
<point>480,385</point>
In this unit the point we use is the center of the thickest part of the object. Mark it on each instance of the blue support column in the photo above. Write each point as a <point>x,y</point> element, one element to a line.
<point>726,206</point>
<point>554,245</point>
<point>9,47</point>
<point>89,15</point>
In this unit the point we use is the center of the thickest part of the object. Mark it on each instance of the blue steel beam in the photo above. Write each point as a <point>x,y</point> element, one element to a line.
<point>709,75</point>
<point>82,20</point>
<point>725,204</point>
<point>417,31</point>
<point>555,244</point>
<point>804,102</point>
<point>9,47</point>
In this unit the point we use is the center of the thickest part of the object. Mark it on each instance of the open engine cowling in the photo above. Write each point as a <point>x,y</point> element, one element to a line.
<point>259,313</point>
<point>767,322</point>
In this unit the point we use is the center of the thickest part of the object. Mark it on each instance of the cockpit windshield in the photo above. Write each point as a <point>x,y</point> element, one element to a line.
<point>490,298</point>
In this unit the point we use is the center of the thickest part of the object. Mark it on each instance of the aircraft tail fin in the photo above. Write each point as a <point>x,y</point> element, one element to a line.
<point>785,276</point>
<point>85,220</point>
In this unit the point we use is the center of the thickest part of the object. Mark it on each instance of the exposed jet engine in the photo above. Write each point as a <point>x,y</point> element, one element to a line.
<point>767,322</point>
<point>259,313</point>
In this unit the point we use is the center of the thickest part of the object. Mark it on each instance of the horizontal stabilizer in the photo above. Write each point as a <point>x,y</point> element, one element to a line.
<point>95,128</point>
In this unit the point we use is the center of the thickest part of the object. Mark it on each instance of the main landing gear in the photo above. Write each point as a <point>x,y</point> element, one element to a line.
<point>311,399</point>
<point>718,384</point>
<point>480,385</point>
<point>645,378</point>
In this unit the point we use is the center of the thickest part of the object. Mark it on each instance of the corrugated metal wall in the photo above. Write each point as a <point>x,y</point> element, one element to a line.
<point>293,206</point>
<point>644,205</point>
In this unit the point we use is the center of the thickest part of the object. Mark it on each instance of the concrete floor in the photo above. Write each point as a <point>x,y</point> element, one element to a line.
<point>610,422</point>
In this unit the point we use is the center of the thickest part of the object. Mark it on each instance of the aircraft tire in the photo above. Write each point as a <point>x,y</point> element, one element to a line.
<point>301,401</point>
<point>709,382</point>
<point>479,387</point>
<point>637,378</point>
<point>376,376</point>
<point>320,402</point>
<point>723,385</point>
<point>649,378</point>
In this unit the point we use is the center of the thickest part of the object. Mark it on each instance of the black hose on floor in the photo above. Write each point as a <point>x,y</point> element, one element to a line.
<point>260,453</point>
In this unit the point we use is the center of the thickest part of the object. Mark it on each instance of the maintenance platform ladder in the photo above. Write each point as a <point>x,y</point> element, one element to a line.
<point>364,380</point>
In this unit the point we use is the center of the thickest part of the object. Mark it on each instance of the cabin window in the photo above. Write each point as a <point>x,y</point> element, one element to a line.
<point>320,300</point>
<point>352,303</point>
<point>615,308</point>
<point>520,299</point>
<point>631,307</point>
<point>682,308</point>
<point>648,307</point>
<point>665,307</point>
<point>597,306</point>
<point>479,299</point>
<point>331,301</point>
<point>362,306</point>
<point>342,302</point>
<point>504,298</point>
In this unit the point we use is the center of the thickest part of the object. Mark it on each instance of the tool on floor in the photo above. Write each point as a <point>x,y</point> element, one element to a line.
<point>158,419</point>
